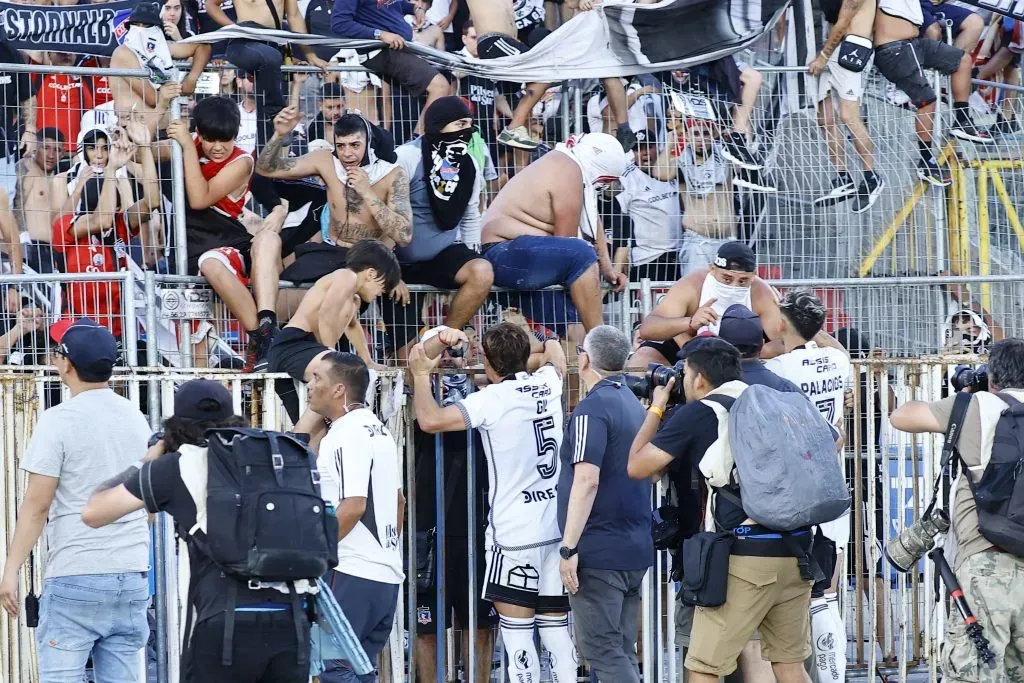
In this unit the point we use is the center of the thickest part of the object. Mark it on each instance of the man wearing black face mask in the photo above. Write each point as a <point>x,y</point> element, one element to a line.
<point>445,183</point>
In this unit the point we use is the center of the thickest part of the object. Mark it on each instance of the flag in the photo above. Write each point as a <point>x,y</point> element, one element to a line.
<point>80,29</point>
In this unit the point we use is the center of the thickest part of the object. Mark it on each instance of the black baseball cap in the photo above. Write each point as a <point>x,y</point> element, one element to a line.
<point>146,14</point>
<point>203,399</point>
<point>89,346</point>
<point>736,256</point>
<point>742,328</point>
<point>647,136</point>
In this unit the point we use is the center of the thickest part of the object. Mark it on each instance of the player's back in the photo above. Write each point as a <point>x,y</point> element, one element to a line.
<point>821,372</point>
<point>520,421</point>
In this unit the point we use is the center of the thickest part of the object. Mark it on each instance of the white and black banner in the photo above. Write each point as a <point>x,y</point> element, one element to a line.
<point>81,29</point>
<point>616,39</point>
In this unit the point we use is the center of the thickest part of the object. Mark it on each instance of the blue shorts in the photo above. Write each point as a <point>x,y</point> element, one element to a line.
<point>532,263</point>
<point>955,14</point>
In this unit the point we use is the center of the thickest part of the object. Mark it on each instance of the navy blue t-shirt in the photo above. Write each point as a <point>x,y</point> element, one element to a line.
<point>755,372</point>
<point>600,431</point>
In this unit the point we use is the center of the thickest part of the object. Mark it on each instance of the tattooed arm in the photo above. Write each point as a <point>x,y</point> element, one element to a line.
<point>835,36</point>
<point>395,216</point>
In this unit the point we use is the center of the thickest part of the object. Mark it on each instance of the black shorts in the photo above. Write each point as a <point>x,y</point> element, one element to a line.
<point>533,34</point>
<point>314,260</point>
<point>903,63</point>
<point>457,589</point>
<point>403,67</point>
<point>665,268</point>
<point>669,349</point>
<point>292,350</point>
<point>497,45</point>
<point>824,553</point>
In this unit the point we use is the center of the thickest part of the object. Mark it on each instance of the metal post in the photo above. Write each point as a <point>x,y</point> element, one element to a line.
<point>180,236</point>
<point>647,600</point>
<point>440,618</point>
<point>577,106</point>
<point>566,120</point>
<point>131,332</point>
<point>646,297</point>
<point>471,554</point>
<point>410,535</point>
<point>940,209</point>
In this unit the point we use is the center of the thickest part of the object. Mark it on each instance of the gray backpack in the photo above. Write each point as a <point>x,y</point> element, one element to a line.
<point>786,463</point>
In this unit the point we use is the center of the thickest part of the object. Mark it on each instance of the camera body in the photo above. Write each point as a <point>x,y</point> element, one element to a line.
<point>658,375</point>
<point>971,379</point>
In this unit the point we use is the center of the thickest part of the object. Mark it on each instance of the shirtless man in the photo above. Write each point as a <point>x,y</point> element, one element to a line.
<point>146,47</point>
<point>38,199</point>
<point>531,231</point>
<point>330,309</point>
<point>367,198</point>
<point>698,301</point>
<point>902,57</point>
<point>841,68</point>
<point>511,27</point>
<point>264,59</point>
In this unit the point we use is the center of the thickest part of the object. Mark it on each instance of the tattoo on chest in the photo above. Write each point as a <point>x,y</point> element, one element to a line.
<point>354,200</point>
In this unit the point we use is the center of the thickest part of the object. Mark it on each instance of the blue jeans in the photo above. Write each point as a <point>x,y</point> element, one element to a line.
<point>101,614</point>
<point>531,263</point>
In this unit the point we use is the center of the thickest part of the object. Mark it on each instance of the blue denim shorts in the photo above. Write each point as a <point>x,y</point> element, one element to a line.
<point>531,263</point>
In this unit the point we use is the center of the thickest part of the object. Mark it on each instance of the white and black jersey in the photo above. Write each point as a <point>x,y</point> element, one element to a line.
<point>822,373</point>
<point>528,13</point>
<point>520,420</point>
<point>653,206</point>
<point>359,458</point>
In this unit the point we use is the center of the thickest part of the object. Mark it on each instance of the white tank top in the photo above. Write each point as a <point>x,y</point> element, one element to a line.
<point>904,9</point>
<point>725,296</point>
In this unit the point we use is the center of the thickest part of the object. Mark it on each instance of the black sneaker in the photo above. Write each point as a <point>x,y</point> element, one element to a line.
<point>625,136</point>
<point>930,172</point>
<point>966,130</point>
<point>1003,128</point>
<point>842,189</point>
<point>753,181</point>
<point>735,150</point>
<point>868,192</point>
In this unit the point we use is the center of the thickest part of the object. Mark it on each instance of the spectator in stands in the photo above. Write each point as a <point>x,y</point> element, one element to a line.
<point>531,229</point>
<point>368,197</point>
<point>95,590</point>
<point>92,158</point>
<point>966,26</point>
<point>902,57</point>
<point>17,117</point>
<point>600,116</point>
<point>177,22</point>
<point>37,202</point>
<point>445,187</point>
<point>650,203</point>
<point>741,327</point>
<point>489,105</point>
<point>145,47</point>
<point>332,107</point>
<point>93,237</point>
<point>264,60</point>
<point>10,239</point>
<point>697,302</point>
<point>61,99</point>
<point>372,20</point>
<point>330,309</point>
<point>841,68</point>
<point>22,341</point>
<point>217,178</point>
<point>361,477</point>
<point>248,125</point>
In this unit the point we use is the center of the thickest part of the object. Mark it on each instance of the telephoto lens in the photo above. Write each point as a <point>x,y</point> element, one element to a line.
<point>914,541</point>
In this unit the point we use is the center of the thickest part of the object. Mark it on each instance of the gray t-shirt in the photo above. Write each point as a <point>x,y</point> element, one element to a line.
<point>84,442</point>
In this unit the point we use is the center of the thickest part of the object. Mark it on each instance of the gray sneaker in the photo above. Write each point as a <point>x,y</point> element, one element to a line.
<point>518,138</point>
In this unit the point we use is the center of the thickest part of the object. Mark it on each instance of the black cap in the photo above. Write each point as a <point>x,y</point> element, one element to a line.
<point>742,328</point>
<point>89,346</point>
<point>203,399</point>
<point>647,136</point>
<point>443,111</point>
<point>146,14</point>
<point>736,256</point>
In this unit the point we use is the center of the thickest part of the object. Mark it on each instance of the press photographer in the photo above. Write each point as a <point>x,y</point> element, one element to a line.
<point>751,568</point>
<point>982,429</point>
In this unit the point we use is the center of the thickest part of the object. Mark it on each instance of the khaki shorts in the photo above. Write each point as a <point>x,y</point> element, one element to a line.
<point>764,593</point>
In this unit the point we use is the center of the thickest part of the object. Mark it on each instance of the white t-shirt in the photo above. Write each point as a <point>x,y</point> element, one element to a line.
<point>904,9</point>
<point>359,458</point>
<point>439,10</point>
<point>521,424</point>
<point>636,115</point>
<point>654,207</point>
<point>822,373</point>
<point>247,129</point>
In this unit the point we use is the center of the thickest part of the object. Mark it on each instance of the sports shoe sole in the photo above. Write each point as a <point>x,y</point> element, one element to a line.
<point>732,158</point>
<point>739,182</point>
<point>836,196</point>
<point>931,180</point>
<point>961,134</point>
<point>872,198</point>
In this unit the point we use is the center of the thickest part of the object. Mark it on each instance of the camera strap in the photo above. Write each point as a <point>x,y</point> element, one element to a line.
<point>949,450</point>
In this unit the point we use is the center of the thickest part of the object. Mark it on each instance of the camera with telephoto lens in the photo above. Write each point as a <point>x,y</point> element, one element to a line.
<point>913,542</point>
<point>972,379</point>
<point>658,376</point>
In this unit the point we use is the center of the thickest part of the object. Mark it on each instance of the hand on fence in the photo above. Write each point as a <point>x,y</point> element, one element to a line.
<point>319,63</point>
<point>178,131</point>
<point>167,93</point>
<point>817,66</point>
<point>705,315</point>
<point>285,122</point>
<point>400,294</point>
<point>393,40</point>
<point>617,280</point>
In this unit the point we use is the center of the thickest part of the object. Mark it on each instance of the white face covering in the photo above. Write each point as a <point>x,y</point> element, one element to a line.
<point>150,46</point>
<point>598,155</point>
<point>724,295</point>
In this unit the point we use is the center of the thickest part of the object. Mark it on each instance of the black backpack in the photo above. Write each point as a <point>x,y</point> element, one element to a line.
<point>999,494</point>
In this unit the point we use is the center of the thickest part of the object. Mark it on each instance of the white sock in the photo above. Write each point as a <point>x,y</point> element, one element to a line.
<point>554,634</point>
<point>523,662</point>
<point>828,638</point>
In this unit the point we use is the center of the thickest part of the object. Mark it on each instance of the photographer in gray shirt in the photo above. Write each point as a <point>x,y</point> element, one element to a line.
<point>96,590</point>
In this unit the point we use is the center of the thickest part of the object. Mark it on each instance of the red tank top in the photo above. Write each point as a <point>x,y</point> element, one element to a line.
<point>60,103</point>
<point>227,205</point>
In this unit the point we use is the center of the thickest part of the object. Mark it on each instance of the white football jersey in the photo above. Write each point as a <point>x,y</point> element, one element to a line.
<point>521,424</point>
<point>822,373</point>
<point>359,458</point>
<point>528,12</point>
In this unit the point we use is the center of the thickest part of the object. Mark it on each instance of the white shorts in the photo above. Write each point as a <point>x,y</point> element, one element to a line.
<point>845,84</point>
<point>838,531</point>
<point>527,578</point>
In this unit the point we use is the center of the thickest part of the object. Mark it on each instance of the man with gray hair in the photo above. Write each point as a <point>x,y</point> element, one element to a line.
<point>605,516</point>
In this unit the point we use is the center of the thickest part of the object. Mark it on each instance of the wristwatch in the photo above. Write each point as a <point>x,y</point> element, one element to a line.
<point>566,553</point>
<point>377,33</point>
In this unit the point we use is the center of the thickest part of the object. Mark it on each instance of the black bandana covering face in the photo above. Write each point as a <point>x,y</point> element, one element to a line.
<point>450,174</point>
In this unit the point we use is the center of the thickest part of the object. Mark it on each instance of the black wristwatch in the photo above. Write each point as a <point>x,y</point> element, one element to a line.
<point>566,553</point>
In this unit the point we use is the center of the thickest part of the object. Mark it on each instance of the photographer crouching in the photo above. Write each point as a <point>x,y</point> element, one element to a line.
<point>751,568</point>
<point>983,426</point>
